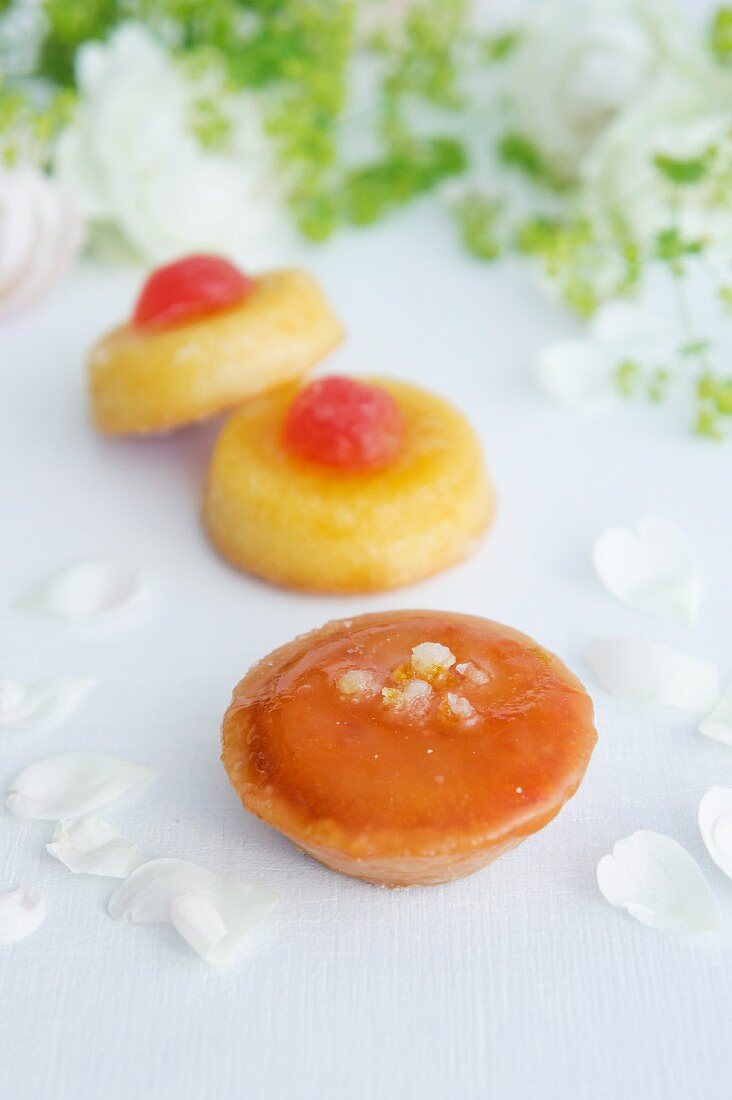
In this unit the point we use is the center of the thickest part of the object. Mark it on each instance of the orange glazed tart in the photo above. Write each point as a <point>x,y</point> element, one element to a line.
<point>203,337</point>
<point>408,747</point>
<point>347,486</point>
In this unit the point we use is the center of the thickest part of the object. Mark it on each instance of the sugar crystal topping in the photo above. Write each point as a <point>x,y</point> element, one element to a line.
<point>430,661</point>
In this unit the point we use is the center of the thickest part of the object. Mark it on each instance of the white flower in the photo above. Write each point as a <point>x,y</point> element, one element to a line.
<point>580,63</point>
<point>133,162</point>
<point>40,235</point>
<point>684,115</point>
<point>579,371</point>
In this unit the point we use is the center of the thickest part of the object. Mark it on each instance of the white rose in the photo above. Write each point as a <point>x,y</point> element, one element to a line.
<point>132,162</point>
<point>681,116</point>
<point>40,235</point>
<point>581,62</point>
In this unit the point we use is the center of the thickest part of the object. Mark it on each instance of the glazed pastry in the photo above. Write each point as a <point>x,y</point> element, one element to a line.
<point>408,747</point>
<point>346,486</point>
<point>203,337</point>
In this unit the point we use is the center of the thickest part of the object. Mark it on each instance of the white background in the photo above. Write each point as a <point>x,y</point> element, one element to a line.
<point>520,982</point>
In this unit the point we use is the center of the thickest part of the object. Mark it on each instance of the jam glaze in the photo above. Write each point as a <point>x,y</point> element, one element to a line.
<point>410,794</point>
<point>189,288</point>
<point>344,423</point>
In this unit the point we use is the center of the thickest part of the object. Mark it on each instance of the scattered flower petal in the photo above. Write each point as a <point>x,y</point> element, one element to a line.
<point>86,590</point>
<point>652,568</point>
<point>90,846</point>
<point>575,373</point>
<point>715,823</point>
<point>72,785</point>
<point>200,924</point>
<point>718,724</point>
<point>21,913</point>
<point>649,672</point>
<point>42,703</point>
<point>656,881</point>
<point>211,913</point>
<point>40,235</point>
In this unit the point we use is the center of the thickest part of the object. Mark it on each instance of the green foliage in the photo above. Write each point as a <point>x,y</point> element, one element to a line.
<point>516,150</point>
<point>421,60</point>
<point>477,218</point>
<point>297,55</point>
<point>714,395</point>
<point>659,383</point>
<point>499,46</point>
<point>210,124</point>
<point>724,293</point>
<point>372,191</point>
<point>720,36</point>
<point>567,249</point>
<point>27,129</point>
<point>685,172</point>
<point>693,348</point>
<point>70,25</point>
<point>628,376</point>
<point>672,248</point>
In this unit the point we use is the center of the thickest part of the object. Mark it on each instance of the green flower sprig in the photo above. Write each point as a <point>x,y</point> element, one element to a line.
<point>299,57</point>
<point>589,255</point>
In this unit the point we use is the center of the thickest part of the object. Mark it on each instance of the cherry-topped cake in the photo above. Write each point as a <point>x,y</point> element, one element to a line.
<point>408,747</point>
<point>204,336</point>
<point>347,485</point>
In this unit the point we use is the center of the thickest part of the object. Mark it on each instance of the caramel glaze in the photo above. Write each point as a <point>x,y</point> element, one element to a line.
<point>401,797</point>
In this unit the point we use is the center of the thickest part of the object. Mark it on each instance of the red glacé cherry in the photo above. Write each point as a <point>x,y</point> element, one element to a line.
<point>340,422</point>
<point>188,288</point>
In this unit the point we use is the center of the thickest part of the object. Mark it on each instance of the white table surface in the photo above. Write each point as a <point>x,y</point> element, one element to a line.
<point>519,982</point>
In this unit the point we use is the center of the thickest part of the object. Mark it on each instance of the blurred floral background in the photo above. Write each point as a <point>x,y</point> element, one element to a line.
<point>593,137</point>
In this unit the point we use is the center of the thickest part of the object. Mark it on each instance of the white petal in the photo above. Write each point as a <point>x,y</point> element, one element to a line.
<point>199,922</point>
<point>623,322</point>
<point>86,590</point>
<point>718,724</point>
<point>72,785</point>
<point>715,823</point>
<point>90,846</point>
<point>43,703</point>
<point>211,913</point>
<point>653,568</point>
<point>575,373</point>
<point>656,881</point>
<point>21,913</point>
<point>649,672</point>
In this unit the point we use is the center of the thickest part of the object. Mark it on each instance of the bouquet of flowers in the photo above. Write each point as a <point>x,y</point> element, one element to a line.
<point>593,136</point>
